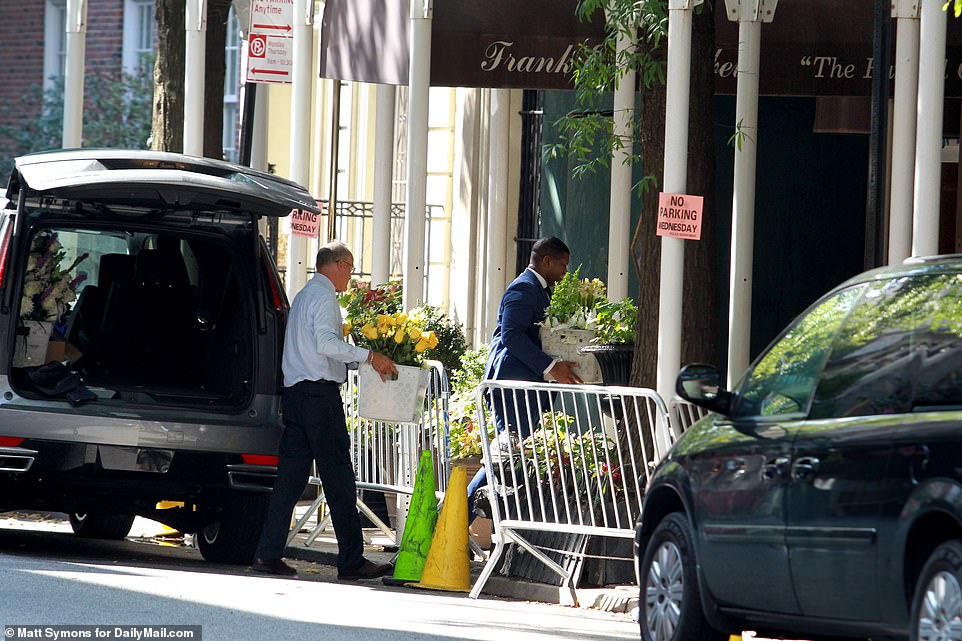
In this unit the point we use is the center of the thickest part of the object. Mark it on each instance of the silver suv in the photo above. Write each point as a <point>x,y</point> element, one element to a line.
<point>141,329</point>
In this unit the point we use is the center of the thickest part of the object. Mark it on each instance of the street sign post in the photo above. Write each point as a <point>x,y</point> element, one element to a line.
<point>270,51</point>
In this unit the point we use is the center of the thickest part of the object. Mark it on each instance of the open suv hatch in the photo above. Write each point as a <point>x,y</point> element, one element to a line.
<point>141,329</point>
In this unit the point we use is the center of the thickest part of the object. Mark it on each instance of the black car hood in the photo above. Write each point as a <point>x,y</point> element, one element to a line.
<point>157,180</point>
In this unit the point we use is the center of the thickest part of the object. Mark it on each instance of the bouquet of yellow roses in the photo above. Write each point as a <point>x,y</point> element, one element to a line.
<point>399,336</point>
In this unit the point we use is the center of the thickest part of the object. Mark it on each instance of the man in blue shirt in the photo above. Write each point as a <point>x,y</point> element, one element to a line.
<point>315,365</point>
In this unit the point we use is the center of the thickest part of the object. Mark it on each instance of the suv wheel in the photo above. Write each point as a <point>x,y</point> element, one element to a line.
<point>937,605</point>
<point>101,526</point>
<point>233,538</point>
<point>670,603</point>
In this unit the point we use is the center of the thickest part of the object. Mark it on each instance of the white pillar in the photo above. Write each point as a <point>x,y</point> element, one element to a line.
<point>73,79</point>
<point>675,181</point>
<point>619,217</point>
<point>383,173</point>
<point>928,143</point>
<point>495,269</point>
<point>903,129</point>
<point>419,85</point>
<point>743,200</point>
<point>303,32</point>
<point>194,65</point>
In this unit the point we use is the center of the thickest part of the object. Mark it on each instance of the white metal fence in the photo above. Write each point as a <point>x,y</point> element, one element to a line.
<point>573,460</point>
<point>683,415</point>
<point>385,455</point>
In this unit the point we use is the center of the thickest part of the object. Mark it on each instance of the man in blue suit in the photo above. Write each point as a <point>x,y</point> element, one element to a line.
<point>516,353</point>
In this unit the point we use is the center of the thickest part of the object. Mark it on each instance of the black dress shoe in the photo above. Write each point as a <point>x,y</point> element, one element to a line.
<point>366,570</point>
<point>273,566</point>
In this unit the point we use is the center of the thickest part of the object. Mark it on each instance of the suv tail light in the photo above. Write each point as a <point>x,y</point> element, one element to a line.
<point>11,441</point>
<point>259,459</point>
<point>278,301</point>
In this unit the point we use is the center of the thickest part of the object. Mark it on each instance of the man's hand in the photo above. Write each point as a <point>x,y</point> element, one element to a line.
<point>564,372</point>
<point>383,365</point>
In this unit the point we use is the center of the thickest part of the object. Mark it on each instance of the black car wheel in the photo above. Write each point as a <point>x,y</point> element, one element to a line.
<point>233,537</point>
<point>670,603</point>
<point>937,605</point>
<point>101,526</point>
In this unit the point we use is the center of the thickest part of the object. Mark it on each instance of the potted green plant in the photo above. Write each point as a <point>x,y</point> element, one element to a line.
<point>614,344</point>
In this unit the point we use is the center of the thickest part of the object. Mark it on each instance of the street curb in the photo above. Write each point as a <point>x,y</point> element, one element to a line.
<point>614,599</point>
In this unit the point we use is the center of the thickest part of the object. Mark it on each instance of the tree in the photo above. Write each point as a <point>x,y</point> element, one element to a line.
<point>109,98</point>
<point>167,132</point>
<point>596,72</point>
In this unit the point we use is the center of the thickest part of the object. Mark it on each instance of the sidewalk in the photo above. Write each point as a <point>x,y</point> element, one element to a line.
<point>616,599</point>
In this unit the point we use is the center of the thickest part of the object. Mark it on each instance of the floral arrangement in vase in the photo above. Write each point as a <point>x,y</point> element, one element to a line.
<point>573,302</point>
<point>400,336</point>
<point>49,287</point>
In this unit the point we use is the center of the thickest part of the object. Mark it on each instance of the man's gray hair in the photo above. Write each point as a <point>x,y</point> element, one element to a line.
<point>331,253</point>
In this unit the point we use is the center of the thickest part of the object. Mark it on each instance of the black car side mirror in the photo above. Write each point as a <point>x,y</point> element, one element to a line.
<point>701,385</point>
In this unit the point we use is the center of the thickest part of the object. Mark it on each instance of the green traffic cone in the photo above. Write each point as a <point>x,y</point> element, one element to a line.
<point>418,528</point>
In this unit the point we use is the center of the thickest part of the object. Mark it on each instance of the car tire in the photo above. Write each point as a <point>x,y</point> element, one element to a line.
<point>937,602</point>
<point>670,603</point>
<point>233,537</point>
<point>101,526</point>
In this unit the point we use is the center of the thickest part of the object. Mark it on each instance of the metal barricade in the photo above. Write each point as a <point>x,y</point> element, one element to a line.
<point>683,415</point>
<point>385,455</point>
<point>573,460</point>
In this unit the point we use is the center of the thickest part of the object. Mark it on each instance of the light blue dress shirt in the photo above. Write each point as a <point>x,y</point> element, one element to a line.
<point>314,346</point>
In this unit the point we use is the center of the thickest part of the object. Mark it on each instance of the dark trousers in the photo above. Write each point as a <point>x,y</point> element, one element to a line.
<point>518,417</point>
<point>314,430</point>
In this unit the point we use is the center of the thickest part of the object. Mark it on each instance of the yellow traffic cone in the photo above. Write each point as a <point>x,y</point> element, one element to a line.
<point>448,566</point>
<point>418,528</point>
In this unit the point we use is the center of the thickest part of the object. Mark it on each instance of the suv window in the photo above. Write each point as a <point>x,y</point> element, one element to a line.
<point>939,346</point>
<point>871,368</point>
<point>783,380</point>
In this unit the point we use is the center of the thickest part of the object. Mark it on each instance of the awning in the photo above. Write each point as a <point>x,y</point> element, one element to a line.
<point>820,48</point>
<point>498,43</point>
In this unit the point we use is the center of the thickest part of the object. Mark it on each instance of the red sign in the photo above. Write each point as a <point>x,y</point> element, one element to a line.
<point>304,223</point>
<point>679,215</point>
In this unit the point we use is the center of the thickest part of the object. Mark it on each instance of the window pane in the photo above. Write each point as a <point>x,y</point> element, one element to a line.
<point>782,382</point>
<point>871,368</point>
<point>939,340</point>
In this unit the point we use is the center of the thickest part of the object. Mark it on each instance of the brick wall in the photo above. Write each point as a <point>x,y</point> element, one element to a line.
<point>22,49</point>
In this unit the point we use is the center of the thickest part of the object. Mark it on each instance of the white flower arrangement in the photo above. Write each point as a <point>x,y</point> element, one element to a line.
<point>48,289</point>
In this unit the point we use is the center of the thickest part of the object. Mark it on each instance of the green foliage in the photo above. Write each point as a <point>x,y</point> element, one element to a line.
<point>464,435</point>
<point>587,133</point>
<point>573,301</point>
<point>451,341</point>
<point>569,458</point>
<point>117,113</point>
<point>615,322</point>
<point>956,7</point>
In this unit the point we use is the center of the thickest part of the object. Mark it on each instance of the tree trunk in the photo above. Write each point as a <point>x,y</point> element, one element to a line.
<point>167,131</point>
<point>699,317</point>
<point>214,78</point>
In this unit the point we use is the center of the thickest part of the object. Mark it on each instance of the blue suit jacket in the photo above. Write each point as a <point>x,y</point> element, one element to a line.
<point>516,347</point>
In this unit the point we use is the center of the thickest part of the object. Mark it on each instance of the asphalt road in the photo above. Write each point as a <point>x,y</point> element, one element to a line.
<point>50,577</point>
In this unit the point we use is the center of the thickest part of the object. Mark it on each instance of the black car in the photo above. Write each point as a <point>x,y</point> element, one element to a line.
<point>822,497</point>
<point>141,329</point>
